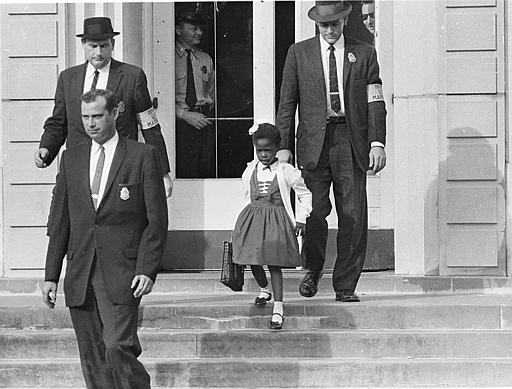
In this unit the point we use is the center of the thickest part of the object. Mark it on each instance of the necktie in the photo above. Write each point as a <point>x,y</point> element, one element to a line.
<point>190,97</point>
<point>333,82</point>
<point>95,80</point>
<point>95,187</point>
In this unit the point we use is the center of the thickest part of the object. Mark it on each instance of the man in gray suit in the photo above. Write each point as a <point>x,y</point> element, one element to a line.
<point>334,81</point>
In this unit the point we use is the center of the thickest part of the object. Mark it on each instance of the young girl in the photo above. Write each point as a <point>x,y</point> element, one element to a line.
<point>266,230</point>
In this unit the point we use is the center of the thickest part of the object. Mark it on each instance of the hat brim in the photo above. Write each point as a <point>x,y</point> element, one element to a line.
<point>98,37</point>
<point>313,14</point>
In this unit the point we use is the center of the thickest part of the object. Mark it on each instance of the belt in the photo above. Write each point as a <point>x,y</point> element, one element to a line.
<point>336,119</point>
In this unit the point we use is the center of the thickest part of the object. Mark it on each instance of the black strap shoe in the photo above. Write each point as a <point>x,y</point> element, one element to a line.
<point>260,301</point>
<point>275,325</point>
<point>309,284</point>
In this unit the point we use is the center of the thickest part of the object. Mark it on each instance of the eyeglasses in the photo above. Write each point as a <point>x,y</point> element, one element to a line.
<point>371,14</point>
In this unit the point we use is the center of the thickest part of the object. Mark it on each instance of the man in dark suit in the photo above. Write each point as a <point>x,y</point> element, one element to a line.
<point>101,71</point>
<point>109,218</point>
<point>334,81</point>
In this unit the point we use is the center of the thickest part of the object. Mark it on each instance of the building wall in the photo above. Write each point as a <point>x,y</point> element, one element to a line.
<point>410,198</point>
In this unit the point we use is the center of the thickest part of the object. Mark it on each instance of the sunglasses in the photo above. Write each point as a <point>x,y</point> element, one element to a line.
<point>371,14</point>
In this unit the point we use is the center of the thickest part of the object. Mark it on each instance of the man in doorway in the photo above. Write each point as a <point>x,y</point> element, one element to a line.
<point>110,208</point>
<point>101,71</point>
<point>368,15</point>
<point>195,83</point>
<point>334,81</point>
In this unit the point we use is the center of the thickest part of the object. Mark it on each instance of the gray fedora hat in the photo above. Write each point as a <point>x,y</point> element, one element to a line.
<point>98,28</point>
<point>326,11</point>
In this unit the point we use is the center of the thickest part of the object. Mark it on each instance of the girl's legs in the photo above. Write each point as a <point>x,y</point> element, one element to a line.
<point>276,277</point>
<point>261,278</point>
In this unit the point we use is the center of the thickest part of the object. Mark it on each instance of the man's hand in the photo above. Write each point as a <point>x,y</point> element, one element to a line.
<point>377,159</point>
<point>143,285</point>
<point>196,119</point>
<point>300,229</point>
<point>168,184</point>
<point>284,155</point>
<point>40,157</point>
<point>50,294</point>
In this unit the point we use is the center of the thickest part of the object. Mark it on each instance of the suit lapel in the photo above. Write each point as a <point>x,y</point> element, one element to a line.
<point>346,64</point>
<point>316,61</point>
<point>114,76</point>
<point>119,155</point>
<point>83,155</point>
<point>77,87</point>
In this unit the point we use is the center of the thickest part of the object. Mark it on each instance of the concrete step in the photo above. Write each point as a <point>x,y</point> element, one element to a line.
<point>285,372</point>
<point>27,344</point>
<point>237,311</point>
<point>207,282</point>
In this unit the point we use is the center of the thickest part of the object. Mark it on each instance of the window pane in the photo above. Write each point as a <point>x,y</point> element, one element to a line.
<point>223,148</point>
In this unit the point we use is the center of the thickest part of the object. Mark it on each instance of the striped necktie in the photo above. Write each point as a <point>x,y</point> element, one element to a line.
<point>333,82</point>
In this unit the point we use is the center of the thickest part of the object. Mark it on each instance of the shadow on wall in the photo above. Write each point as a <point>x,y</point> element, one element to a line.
<point>464,209</point>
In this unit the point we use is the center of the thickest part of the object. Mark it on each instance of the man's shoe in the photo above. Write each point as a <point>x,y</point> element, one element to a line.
<point>309,284</point>
<point>347,297</point>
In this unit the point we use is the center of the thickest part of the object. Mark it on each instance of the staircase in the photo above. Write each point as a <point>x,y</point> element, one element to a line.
<point>406,332</point>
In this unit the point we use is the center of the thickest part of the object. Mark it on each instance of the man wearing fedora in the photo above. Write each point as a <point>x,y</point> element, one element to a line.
<point>334,81</point>
<point>101,71</point>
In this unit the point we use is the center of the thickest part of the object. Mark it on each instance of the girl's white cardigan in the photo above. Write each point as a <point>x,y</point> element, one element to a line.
<point>287,177</point>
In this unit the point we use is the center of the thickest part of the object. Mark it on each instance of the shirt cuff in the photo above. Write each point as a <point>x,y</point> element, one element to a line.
<point>377,144</point>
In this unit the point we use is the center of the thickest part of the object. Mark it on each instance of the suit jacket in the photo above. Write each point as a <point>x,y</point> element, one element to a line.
<point>129,84</point>
<point>304,85</point>
<point>127,236</point>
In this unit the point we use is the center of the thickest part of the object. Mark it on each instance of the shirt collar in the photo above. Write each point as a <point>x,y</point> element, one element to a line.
<point>339,45</point>
<point>109,145</point>
<point>273,167</point>
<point>104,70</point>
<point>181,50</point>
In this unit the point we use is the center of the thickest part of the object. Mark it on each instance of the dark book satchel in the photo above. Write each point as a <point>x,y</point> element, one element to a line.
<point>232,274</point>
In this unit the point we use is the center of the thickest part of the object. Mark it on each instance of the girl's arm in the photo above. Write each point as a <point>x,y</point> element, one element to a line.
<point>304,206</point>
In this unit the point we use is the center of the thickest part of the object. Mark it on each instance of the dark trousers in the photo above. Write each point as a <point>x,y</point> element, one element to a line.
<point>337,165</point>
<point>107,340</point>
<point>195,151</point>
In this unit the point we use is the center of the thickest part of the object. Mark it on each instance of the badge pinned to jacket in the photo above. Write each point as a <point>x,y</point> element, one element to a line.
<point>124,194</point>
<point>204,70</point>
<point>351,57</point>
<point>121,107</point>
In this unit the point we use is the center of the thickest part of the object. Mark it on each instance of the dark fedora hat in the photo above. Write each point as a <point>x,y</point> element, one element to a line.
<point>97,28</point>
<point>326,11</point>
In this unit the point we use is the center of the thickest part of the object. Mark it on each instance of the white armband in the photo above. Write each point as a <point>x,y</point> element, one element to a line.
<point>147,119</point>
<point>374,92</point>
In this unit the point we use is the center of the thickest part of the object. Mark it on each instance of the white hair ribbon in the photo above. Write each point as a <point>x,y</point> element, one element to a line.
<point>256,124</point>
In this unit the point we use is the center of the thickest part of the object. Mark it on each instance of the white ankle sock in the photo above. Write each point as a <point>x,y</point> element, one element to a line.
<point>265,292</point>
<point>278,308</point>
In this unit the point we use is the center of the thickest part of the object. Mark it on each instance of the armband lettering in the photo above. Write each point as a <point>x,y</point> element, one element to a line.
<point>147,119</point>
<point>375,93</point>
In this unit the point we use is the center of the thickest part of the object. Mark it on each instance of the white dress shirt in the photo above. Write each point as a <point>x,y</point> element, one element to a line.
<point>102,77</point>
<point>110,148</point>
<point>339,53</point>
<point>266,175</point>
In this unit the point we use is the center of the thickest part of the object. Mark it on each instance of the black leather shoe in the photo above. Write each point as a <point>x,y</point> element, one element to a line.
<point>275,325</point>
<point>309,284</point>
<point>347,297</point>
<point>260,301</point>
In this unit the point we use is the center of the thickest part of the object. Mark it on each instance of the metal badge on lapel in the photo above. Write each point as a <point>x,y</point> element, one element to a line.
<point>351,57</point>
<point>121,106</point>
<point>125,193</point>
